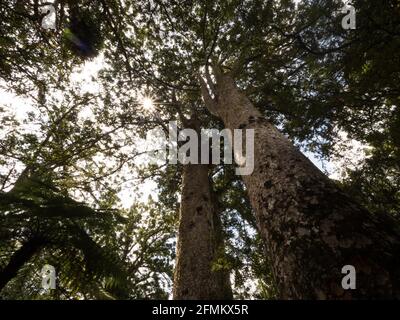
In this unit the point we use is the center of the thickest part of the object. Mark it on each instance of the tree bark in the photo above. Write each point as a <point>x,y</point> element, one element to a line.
<point>200,241</point>
<point>311,229</point>
<point>18,259</point>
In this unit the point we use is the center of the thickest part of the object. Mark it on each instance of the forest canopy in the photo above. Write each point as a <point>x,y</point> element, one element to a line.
<point>84,83</point>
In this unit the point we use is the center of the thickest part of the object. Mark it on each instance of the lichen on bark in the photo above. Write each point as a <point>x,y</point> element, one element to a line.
<point>200,240</point>
<point>311,229</point>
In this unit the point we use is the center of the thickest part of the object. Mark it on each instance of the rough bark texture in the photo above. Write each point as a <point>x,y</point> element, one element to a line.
<point>199,241</point>
<point>311,229</point>
<point>18,259</point>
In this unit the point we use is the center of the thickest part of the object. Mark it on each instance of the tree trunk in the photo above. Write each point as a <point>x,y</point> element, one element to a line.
<point>311,229</point>
<point>200,241</point>
<point>18,259</point>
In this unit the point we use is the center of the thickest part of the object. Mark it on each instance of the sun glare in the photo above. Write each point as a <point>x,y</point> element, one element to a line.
<point>148,103</point>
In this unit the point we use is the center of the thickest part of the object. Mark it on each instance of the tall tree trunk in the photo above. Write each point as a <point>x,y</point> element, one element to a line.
<point>311,229</point>
<point>18,259</point>
<point>200,241</point>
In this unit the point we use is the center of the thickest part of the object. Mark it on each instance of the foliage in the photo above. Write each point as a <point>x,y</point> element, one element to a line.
<point>63,166</point>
